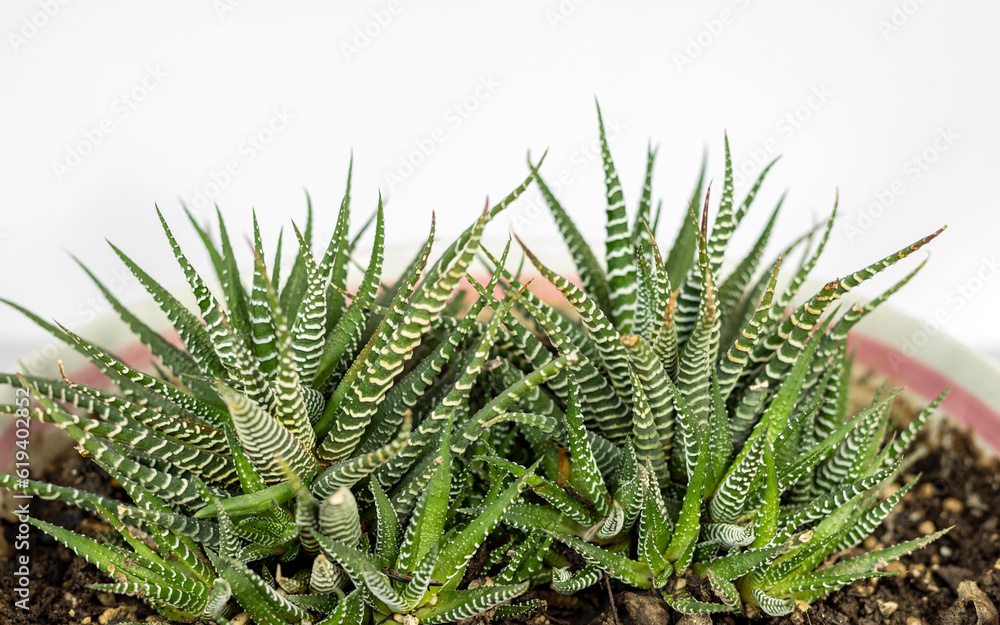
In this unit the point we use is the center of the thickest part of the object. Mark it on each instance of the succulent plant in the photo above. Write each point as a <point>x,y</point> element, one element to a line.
<point>672,423</point>
<point>706,428</point>
<point>240,452</point>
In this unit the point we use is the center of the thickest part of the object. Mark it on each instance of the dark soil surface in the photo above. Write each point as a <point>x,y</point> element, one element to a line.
<point>59,579</point>
<point>953,581</point>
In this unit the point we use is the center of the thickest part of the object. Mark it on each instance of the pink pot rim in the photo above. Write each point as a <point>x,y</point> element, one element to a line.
<point>961,404</point>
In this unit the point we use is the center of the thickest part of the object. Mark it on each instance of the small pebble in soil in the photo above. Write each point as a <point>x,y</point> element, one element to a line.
<point>975,501</point>
<point>926,527</point>
<point>112,615</point>
<point>953,505</point>
<point>887,608</point>
<point>643,608</point>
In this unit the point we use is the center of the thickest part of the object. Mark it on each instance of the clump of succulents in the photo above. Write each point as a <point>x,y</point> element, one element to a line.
<point>246,453</point>
<point>704,427</point>
<point>317,456</point>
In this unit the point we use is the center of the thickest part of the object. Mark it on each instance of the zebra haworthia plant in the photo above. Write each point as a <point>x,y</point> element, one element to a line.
<point>249,453</point>
<point>704,427</point>
<point>317,456</point>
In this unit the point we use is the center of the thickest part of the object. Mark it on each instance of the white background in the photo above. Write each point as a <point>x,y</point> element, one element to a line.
<point>110,107</point>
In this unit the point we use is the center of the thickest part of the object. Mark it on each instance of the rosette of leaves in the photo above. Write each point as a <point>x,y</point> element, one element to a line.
<point>249,453</point>
<point>704,423</point>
